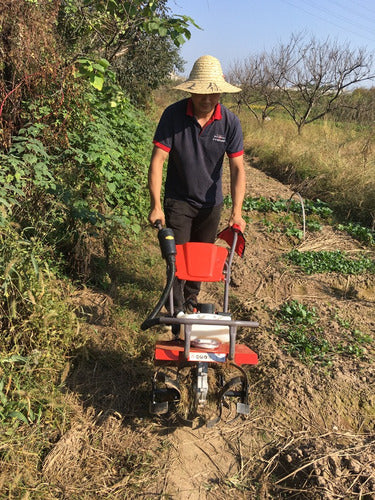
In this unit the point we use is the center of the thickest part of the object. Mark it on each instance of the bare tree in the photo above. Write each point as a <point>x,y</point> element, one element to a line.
<point>304,76</point>
<point>256,80</point>
<point>311,75</point>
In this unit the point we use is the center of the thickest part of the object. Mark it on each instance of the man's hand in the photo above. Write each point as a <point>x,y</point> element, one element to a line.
<point>156,214</point>
<point>238,185</point>
<point>239,221</point>
<point>155,174</point>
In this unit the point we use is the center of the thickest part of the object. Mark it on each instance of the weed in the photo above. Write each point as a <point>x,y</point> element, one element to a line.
<point>269,225</point>
<point>262,204</point>
<point>355,341</point>
<point>294,231</point>
<point>15,406</point>
<point>298,313</point>
<point>360,233</point>
<point>313,225</point>
<point>306,345</point>
<point>297,325</point>
<point>330,261</point>
<point>287,223</point>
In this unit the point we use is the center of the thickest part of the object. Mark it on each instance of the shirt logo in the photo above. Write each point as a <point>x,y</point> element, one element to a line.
<point>219,138</point>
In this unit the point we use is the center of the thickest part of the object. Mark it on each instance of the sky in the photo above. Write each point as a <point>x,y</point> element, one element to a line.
<point>232,30</point>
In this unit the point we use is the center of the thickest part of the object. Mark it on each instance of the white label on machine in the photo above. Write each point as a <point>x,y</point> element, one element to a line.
<point>208,357</point>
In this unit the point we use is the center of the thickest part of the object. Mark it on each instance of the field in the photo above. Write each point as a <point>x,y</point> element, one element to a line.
<point>334,162</point>
<point>310,432</point>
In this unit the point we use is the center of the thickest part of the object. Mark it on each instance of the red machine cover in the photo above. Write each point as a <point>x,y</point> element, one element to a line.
<point>197,261</point>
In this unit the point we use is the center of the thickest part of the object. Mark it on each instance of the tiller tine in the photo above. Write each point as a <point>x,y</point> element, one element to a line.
<point>227,391</point>
<point>162,396</point>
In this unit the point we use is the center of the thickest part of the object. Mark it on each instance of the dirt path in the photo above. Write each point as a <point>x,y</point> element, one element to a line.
<point>203,460</point>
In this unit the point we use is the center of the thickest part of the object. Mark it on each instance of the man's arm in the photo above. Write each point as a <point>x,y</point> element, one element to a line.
<point>155,176</point>
<point>237,187</point>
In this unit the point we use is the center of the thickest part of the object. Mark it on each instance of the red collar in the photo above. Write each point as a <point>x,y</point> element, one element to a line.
<point>216,114</point>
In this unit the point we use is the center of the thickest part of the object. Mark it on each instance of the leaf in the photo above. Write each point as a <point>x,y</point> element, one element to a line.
<point>97,81</point>
<point>163,31</point>
<point>13,359</point>
<point>35,265</point>
<point>19,416</point>
<point>104,63</point>
<point>112,186</point>
<point>98,67</point>
<point>180,40</point>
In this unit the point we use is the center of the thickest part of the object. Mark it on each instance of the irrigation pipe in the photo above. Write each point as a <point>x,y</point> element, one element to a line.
<point>303,211</point>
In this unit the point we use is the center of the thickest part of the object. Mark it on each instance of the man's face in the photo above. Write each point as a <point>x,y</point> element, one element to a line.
<point>204,103</point>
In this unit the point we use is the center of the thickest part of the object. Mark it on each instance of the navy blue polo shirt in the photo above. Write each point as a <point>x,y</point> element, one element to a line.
<point>196,154</point>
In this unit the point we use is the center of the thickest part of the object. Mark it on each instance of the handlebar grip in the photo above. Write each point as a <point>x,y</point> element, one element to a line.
<point>158,225</point>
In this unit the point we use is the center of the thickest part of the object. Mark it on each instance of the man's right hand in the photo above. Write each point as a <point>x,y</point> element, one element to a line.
<point>156,214</point>
<point>155,174</point>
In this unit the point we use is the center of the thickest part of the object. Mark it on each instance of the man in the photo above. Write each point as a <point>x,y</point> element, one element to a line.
<point>194,135</point>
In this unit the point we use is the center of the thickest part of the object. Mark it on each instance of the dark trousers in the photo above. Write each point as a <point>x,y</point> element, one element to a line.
<point>190,223</point>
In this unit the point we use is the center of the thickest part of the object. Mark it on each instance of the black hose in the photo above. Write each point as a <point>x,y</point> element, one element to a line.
<point>151,319</point>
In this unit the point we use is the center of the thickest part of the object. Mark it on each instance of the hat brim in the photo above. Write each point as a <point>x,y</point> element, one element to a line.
<point>199,87</point>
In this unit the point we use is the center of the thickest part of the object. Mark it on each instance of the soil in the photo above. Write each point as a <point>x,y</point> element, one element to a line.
<point>310,432</point>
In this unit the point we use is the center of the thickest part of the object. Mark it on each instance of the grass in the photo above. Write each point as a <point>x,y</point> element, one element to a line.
<point>334,164</point>
<point>70,386</point>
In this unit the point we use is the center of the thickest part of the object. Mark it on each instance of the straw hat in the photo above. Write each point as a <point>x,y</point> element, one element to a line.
<point>207,77</point>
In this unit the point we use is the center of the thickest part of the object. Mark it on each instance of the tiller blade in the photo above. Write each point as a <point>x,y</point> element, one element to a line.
<point>165,390</point>
<point>198,391</point>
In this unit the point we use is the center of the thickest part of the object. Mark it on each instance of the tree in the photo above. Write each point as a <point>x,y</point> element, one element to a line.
<point>146,66</point>
<point>311,75</point>
<point>258,92</point>
<point>108,28</point>
<point>42,41</point>
<point>140,39</point>
<point>305,77</point>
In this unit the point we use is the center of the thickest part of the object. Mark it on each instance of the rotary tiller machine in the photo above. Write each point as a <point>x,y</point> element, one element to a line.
<point>199,374</point>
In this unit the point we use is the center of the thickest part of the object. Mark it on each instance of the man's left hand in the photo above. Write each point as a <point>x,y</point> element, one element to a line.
<point>239,221</point>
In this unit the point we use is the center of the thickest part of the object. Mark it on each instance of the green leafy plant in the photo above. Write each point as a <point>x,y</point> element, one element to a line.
<point>297,326</point>
<point>94,71</point>
<point>298,313</point>
<point>304,344</point>
<point>313,225</point>
<point>84,187</point>
<point>263,204</point>
<point>16,407</point>
<point>34,312</point>
<point>330,261</point>
<point>355,341</point>
<point>107,161</point>
<point>315,210</point>
<point>294,231</point>
<point>360,233</point>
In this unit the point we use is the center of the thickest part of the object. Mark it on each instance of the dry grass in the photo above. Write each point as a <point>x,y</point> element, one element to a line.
<point>94,438</point>
<point>335,164</point>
